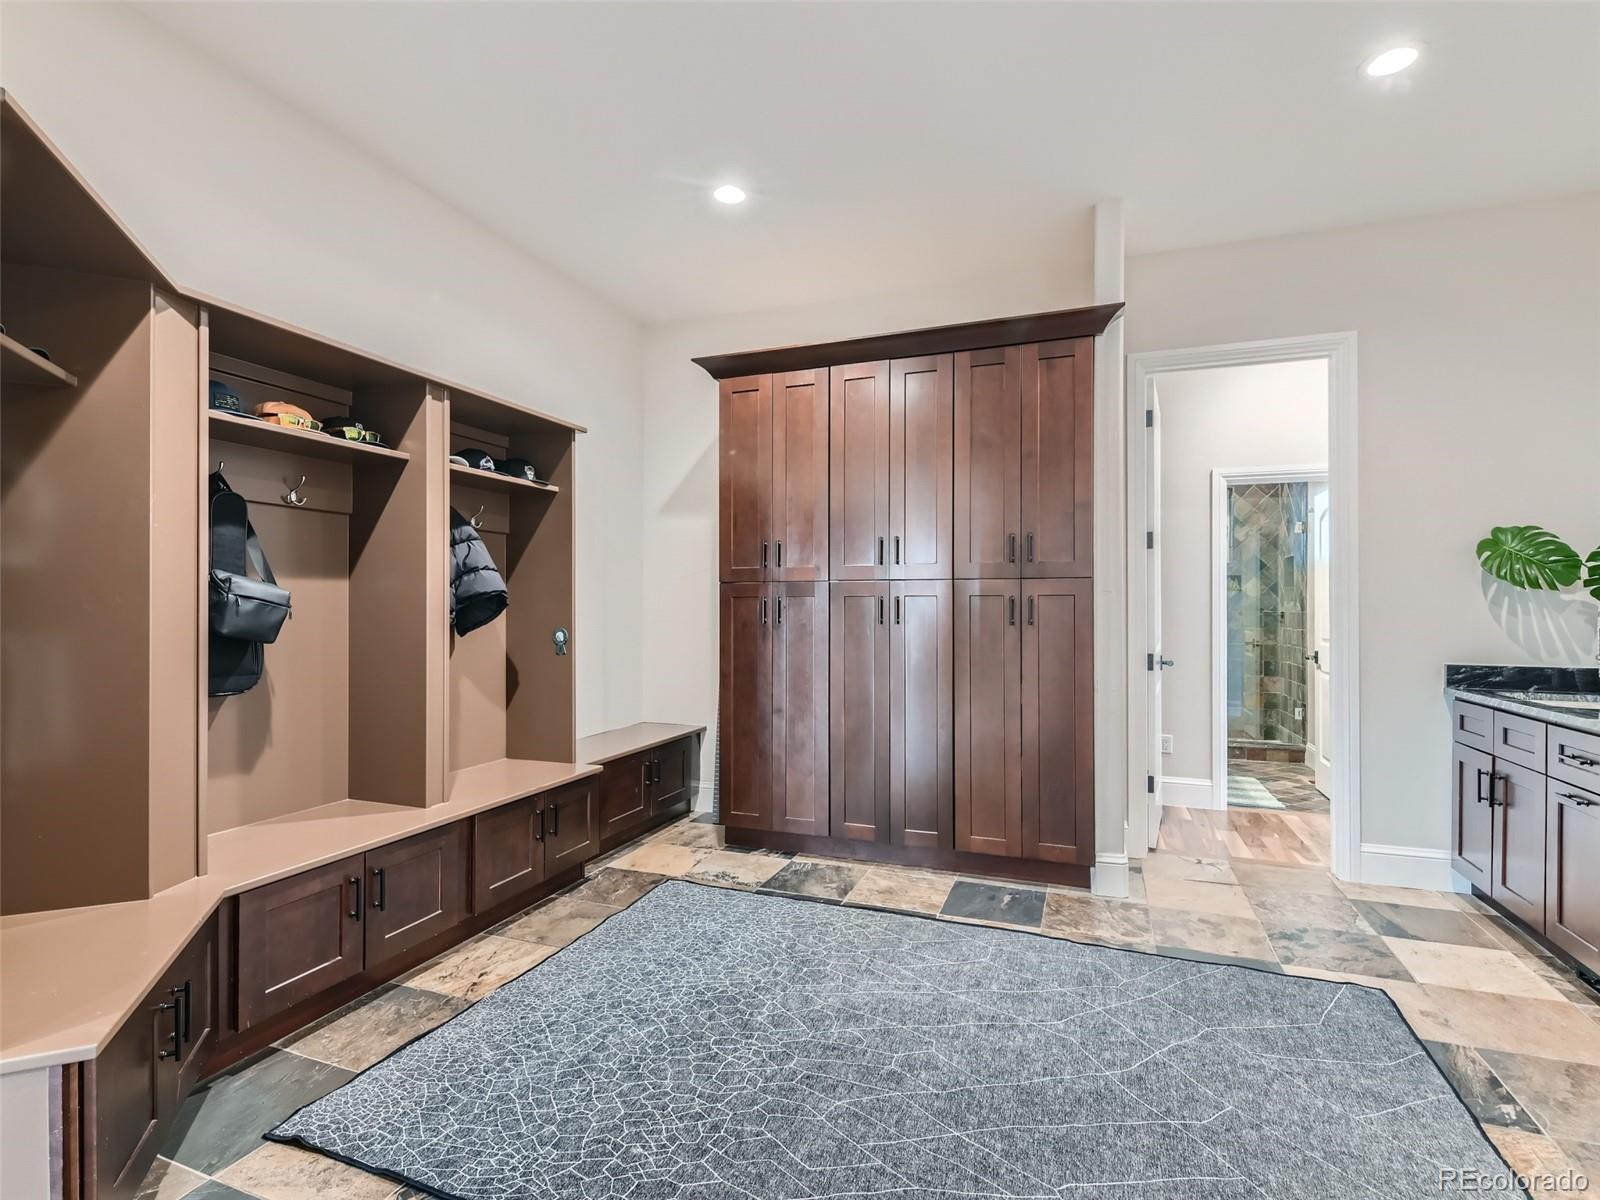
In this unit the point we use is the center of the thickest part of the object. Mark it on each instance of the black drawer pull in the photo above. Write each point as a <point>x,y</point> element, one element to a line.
<point>355,909</point>
<point>1576,759</point>
<point>1011,547</point>
<point>184,996</point>
<point>380,893</point>
<point>538,834</point>
<point>1579,801</point>
<point>555,818</point>
<point>1011,610</point>
<point>1482,774</point>
<point>1030,547</point>
<point>177,1046</point>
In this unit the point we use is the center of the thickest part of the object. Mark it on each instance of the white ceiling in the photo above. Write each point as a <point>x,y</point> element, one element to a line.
<point>895,145</point>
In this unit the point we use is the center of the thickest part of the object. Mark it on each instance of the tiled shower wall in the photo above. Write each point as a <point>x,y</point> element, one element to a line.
<point>1267,614</point>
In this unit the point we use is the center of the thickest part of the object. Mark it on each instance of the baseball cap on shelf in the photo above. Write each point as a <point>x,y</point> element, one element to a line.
<point>518,468</point>
<point>477,459</point>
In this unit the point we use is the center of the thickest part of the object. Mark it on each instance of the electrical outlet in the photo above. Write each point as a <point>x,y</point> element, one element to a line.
<point>1166,743</point>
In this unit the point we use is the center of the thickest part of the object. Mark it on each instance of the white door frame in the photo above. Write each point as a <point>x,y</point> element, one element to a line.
<point>1221,480</point>
<point>1339,350</point>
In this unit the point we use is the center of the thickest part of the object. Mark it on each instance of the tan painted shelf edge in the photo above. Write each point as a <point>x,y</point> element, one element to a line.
<point>493,479</point>
<point>63,1008</point>
<point>631,739</point>
<point>243,430</point>
<point>18,364</point>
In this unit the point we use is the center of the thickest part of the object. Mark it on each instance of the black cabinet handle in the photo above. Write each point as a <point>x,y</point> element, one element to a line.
<point>763,610</point>
<point>555,818</point>
<point>780,552</point>
<point>897,610</point>
<point>656,771</point>
<point>1030,547</point>
<point>1495,778</point>
<point>380,893</point>
<point>538,834</point>
<point>355,909</point>
<point>1030,610</point>
<point>880,610</point>
<point>1482,774</point>
<point>763,556</point>
<point>1576,759</point>
<point>184,996</point>
<point>1580,801</point>
<point>177,1046</point>
<point>779,603</point>
<point>897,549</point>
<point>880,550</point>
<point>1011,610</point>
<point>1011,547</point>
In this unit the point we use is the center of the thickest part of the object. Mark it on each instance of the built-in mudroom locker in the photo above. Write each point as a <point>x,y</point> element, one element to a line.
<point>907,564</point>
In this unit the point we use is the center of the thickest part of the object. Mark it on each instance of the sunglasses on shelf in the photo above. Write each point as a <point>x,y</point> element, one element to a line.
<point>293,421</point>
<point>352,433</point>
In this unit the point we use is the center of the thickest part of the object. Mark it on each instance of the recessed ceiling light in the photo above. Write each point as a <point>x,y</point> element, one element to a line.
<point>1392,61</point>
<point>730,193</point>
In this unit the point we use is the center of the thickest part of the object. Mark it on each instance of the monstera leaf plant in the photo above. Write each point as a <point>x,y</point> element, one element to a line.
<point>1528,556</point>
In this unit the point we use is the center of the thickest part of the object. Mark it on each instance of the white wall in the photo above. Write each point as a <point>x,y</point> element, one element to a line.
<point>1268,415</point>
<point>680,449</point>
<point>241,196</point>
<point>1479,378</point>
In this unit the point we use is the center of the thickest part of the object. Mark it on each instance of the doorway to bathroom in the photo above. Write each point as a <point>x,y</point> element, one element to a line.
<point>1271,640</point>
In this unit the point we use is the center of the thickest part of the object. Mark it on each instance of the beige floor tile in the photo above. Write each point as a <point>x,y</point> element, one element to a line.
<point>373,1027</point>
<point>1474,968</point>
<point>1486,1021</point>
<point>167,1180</point>
<point>1088,919</point>
<point>560,922</point>
<point>1279,908</point>
<point>1187,895</point>
<point>1166,865</point>
<point>730,868</point>
<point>699,834</point>
<point>277,1172</point>
<point>477,968</point>
<point>661,858</point>
<point>1211,933</point>
<point>1416,897</point>
<point>908,891</point>
<point>615,888</point>
<point>1538,1158</point>
<point>1563,1097</point>
<point>1294,879</point>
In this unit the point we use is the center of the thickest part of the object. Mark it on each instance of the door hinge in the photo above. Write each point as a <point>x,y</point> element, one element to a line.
<point>1149,662</point>
<point>1150,784</point>
<point>1149,418</point>
<point>1149,539</point>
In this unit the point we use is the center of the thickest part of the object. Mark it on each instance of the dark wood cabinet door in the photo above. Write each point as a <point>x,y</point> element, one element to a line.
<point>1058,720</point>
<point>746,477</point>
<point>1572,885</point>
<point>858,471</point>
<point>858,710</point>
<point>744,709</point>
<point>921,467</point>
<point>416,890</point>
<point>1058,459</point>
<point>988,717</point>
<point>571,825</point>
<point>507,853</point>
<point>921,720</point>
<point>800,709</point>
<point>1471,817</point>
<point>1517,878</point>
<point>128,1099</point>
<point>799,549</point>
<point>299,936</point>
<point>624,797</point>
<point>988,463</point>
<point>191,983</point>
<point>673,772</point>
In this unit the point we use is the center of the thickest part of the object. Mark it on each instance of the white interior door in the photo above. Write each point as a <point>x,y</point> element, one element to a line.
<point>1152,475</point>
<point>1319,725</point>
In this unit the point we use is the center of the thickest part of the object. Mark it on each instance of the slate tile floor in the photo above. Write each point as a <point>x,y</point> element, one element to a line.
<point>1512,1028</point>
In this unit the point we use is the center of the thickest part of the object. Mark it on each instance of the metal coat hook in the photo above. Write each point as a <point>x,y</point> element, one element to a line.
<point>221,462</point>
<point>293,496</point>
<point>476,521</point>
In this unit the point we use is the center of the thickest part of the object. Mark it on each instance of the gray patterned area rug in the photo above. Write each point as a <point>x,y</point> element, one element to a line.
<point>718,1045</point>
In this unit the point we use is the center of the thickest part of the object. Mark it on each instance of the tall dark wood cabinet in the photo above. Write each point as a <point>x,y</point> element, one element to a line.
<point>907,566</point>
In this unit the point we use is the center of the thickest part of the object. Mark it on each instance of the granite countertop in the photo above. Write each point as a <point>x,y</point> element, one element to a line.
<point>1543,693</point>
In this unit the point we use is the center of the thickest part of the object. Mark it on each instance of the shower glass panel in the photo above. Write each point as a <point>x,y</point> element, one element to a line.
<point>1266,580</point>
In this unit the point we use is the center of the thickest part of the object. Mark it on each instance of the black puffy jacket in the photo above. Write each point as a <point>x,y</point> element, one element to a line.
<point>477,593</point>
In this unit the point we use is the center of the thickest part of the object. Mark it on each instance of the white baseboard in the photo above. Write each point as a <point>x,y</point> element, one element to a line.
<point>1109,876</point>
<point>1188,793</point>
<point>1407,866</point>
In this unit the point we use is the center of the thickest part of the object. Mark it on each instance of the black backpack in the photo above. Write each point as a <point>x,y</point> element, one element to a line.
<point>245,613</point>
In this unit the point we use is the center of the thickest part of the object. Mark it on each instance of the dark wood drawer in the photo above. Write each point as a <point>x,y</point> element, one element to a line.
<point>624,797</point>
<point>571,825</point>
<point>1519,740</point>
<point>1572,884</point>
<point>1473,725</point>
<point>416,890</point>
<point>507,853</point>
<point>298,937</point>
<point>1573,757</point>
<point>672,775</point>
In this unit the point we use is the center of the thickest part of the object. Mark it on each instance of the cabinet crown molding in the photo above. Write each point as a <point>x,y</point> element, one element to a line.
<point>910,343</point>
